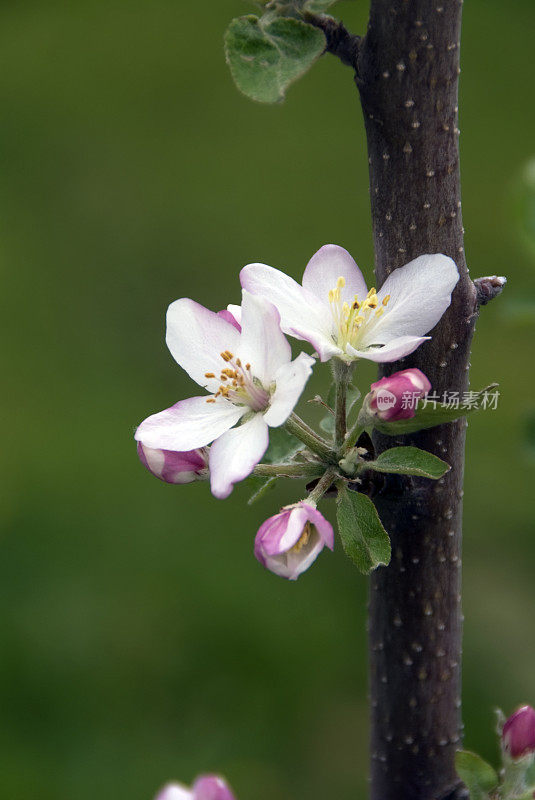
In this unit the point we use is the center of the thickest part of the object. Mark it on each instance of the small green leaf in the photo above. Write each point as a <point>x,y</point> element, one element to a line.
<point>364,539</point>
<point>267,54</point>
<point>480,778</point>
<point>410,461</point>
<point>263,486</point>
<point>427,415</point>
<point>282,447</point>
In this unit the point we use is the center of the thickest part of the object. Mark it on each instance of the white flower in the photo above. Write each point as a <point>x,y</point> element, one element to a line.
<point>335,312</point>
<point>251,380</point>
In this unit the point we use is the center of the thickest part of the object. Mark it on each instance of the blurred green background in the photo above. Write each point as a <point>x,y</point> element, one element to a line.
<point>140,640</point>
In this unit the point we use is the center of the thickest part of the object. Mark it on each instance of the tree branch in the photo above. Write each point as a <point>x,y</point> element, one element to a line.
<point>340,42</point>
<point>489,288</point>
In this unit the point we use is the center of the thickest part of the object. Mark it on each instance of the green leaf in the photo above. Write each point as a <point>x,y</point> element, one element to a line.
<point>318,6</point>
<point>364,539</point>
<point>267,54</point>
<point>282,447</point>
<point>428,416</point>
<point>263,485</point>
<point>353,394</point>
<point>410,461</point>
<point>480,778</point>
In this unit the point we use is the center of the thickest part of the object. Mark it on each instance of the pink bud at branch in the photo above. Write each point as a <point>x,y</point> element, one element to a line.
<point>396,397</point>
<point>174,467</point>
<point>518,735</point>
<point>206,787</point>
<point>289,542</point>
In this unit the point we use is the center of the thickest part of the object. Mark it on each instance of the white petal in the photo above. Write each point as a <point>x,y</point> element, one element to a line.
<point>420,292</point>
<point>174,791</point>
<point>396,348</point>
<point>290,382</point>
<point>235,311</point>
<point>262,343</point>
<point>189,424</point>
<point>235,454</point>
<point>196,338</point>
<point>326,266</point>
<point>300,310</point>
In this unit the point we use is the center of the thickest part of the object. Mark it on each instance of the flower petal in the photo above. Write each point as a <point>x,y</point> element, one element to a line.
<point>174,791</point>
<point>227,314</point>
<point>211,787</point>
<point>189,424</point>
<point>300,310</point>
<point>262,343</point>
<point>326,266</point>
<point>236,453</point>
<point>196,337</point>
<point>420,292</point>
<point>396,348</point>
<point>290,380</point>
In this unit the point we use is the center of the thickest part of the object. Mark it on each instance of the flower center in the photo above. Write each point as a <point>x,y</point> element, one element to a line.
<point>350,318</point>
<point>303,539</point>
<point>239,385</point>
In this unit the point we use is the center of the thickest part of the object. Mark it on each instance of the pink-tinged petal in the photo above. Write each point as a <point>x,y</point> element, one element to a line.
<point>196,338</point>
<point>227,315</point>
<point>420,292</point>
<point>518,735</point>
<point>263,345</point>
<point>285,544</point>
<point>174,791</point>
<point>299,309</point>
<point>174,467</point>
<point>397,348</point>
<point>189,424</point>
<point>211,787</point>
<point>290,380</point>
<point>236,453</point>
<point>326,266</point>
<point>323,343</point>
<point>235,312</point>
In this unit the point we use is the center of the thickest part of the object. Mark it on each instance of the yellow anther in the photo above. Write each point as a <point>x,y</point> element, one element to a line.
<point>238,362</point>
<point>386,299</point>
<point>379,312</point>
<point>345,309</point>
<point>209,375</point>
<point>211,400</point>
<point>247,366</point>
<point>356,304</point>
<point>341,282</point>
<point>331,295</point>
<point>372,292</point>
<point>303,539</point>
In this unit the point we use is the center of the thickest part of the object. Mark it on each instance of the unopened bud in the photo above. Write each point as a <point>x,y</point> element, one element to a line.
<point>174,467</point>
<point>518,735</point>
<point>206,787</point>
<point>396,397</point>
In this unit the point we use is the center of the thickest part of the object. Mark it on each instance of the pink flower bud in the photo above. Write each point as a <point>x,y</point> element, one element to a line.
<point>396,397</point>
<point>174,791</point>
<point>518,735</point>
<point>174,467</point>
<point>211,787</point>
<point>288,543</point>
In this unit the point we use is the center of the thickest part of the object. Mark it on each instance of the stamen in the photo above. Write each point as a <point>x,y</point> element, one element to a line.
<point>209,375</point>
<point>341,282</point>
<point>211,400</point>
<point>386,299</point>
<point>303,539</point>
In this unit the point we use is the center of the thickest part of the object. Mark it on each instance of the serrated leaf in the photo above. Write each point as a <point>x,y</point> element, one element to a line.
<point>428,416</point>
<point>410,461</point>
<point>264,485</point>
<point>267,54</point>
<point>282,447</point>
<point>480,778</point>
<point>364,539</point>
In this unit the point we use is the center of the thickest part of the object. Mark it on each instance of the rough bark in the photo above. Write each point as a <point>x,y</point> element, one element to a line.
<point>407,74</point>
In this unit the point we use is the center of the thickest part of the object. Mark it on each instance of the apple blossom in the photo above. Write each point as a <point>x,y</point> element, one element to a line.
<point>335,312</point>
<point>251,380</point>
<point>289,542</point>
<point>174,467</point>
<point>395,397</point>
<point>206,787</point>
<point>518,734</point>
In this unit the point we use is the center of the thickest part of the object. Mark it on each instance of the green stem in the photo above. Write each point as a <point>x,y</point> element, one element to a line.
<point>307,471</point>
<point>352,438</point>
<point>321,487</point>
<point>313,441</point>
<point>342,376</point>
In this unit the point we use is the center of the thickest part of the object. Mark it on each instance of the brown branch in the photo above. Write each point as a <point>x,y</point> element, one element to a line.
<point>340,42</point>
<point>489,288</point>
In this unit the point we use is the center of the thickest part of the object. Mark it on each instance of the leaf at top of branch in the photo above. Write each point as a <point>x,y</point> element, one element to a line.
<point>364,539</point>
<point>267,54</point>
<point>410,461</point>
<point>480,778</point>
<point>427,415</point>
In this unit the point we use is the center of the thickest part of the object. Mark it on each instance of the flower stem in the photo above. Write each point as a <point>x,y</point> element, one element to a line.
<point>307,471</point>
<point>298,428</point>
<point>321,487</point>
<point>342,376</point>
